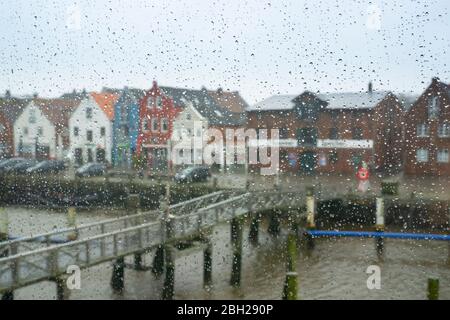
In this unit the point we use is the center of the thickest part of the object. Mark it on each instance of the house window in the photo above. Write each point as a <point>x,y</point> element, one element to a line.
<point>89,135</point>
<point>89,113</point>
<point>423,130</point>
<point>164,124</point>
<point>32,116</point>
<point>333,134</point>
<point>159,103</point>
<point>199,132</point>
<point>333,157</point>
<point>145,125</point>
<point>433,107</point>
<point>357,133</point>
<point>422,155</point>
<point>444,130</point>
<point>76,131</point>
<point>40,131</point>
<point>307,136</point>
<point>25,131</point>
<point>102,131</point>
<point>188,116</point>
<point>442,156</point>
<point>284,133</point>
<point>154,124</point>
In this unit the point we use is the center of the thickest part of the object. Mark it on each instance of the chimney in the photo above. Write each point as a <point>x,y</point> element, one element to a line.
<point>155,84</point>
<point>35,95</point>
<point>219,91</point>
<point>434,80</point>
<point>370,87</point>
<point>7,94</point>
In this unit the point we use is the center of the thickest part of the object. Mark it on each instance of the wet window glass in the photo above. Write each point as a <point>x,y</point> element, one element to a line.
<point>237,150</point>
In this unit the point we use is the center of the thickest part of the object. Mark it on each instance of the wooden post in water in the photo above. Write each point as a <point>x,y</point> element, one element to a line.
<point>379,225</point>
<point>4,236</point>
<point>62,292</point>
<point>291,282</point>
<point>169,279</point>
<point>236,242</point>
<point>433,289</point>
<point>207,264</point>
<point>253,233</point>
<point>158,261</point>
<point>118,275</point>
<point>4,225</point>
<point>132,206</point>
<point>310,216</point>
<point>274,223</point>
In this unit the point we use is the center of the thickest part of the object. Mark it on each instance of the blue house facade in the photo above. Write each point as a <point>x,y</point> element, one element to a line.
<point>126,127</point>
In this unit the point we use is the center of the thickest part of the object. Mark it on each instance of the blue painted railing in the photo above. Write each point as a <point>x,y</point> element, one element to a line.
<point>374,234</point>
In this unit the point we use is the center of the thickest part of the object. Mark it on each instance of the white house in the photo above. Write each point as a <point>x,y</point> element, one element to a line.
<point>189,127</point>
<point>91,128</point>
<point>41,130</point>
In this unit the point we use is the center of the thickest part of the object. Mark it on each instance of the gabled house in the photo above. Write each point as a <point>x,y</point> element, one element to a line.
<point>201,111</point>
<point>10,109</point>
<point>334,132</point>
<point>427,134</point>
<point>42,129</point>
<point>126,126</point>
<point>157,111</point>
<point>91,129</point>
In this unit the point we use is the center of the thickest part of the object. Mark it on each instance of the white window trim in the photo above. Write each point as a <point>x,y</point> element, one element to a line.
<point>420,159</point>
<point>440,158</point>
<point>424,131</point>
<point>444,130</point>
<point>152,122</point>
<point>162,126</point>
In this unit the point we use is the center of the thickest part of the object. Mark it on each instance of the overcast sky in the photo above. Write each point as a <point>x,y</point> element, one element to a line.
<point>259,48</point>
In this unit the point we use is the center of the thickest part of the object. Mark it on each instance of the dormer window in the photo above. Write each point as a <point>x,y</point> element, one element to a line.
<point>89,113</point>
<point>32,116</point>
<point>159,103</point>
<point>433,107</point>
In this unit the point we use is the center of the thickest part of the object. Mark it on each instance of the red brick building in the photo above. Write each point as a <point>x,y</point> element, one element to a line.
<point>156,114</point>
<point>334,132</point>
<point>427,132</point>
<point>10,109</point>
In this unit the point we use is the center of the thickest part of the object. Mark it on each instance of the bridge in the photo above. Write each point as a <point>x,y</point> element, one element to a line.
<point>47,257</point>
<point>28,260</point>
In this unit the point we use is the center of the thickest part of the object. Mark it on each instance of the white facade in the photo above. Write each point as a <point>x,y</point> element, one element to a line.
<point>90,132</point>
<point>32,128</point>
<point>189,128</point>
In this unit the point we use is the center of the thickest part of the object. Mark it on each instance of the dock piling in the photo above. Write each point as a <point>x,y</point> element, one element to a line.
<point>118,275</point>
<point>291,280</point>
<point>236,241</point>
<point>433,289</point>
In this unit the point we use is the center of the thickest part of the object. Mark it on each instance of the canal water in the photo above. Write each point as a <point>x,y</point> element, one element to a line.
<point>336,269</point>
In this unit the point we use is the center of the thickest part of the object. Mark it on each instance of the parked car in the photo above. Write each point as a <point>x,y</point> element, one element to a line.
<point>4,165</point>
<point>48,166</point>
<point>193,174</point>
<point>91,169</point>
<point>21,167</point>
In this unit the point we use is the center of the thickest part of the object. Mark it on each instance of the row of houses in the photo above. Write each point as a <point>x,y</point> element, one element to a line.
<point>337,132</point>
<point>318,132</point>
<point>115,125</point>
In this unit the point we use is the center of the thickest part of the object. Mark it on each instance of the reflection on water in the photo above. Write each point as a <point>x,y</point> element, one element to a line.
<point>336,269</point>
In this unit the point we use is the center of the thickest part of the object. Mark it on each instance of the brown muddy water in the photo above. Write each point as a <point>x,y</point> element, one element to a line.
<point>336,268</point>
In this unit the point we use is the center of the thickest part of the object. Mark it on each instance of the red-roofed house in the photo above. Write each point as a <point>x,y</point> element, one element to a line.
<point>91,128</point>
